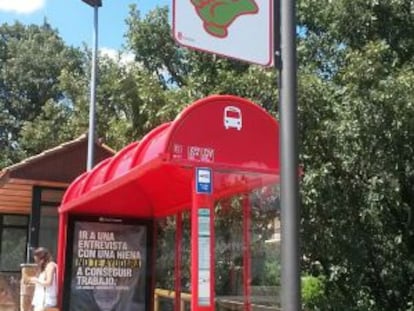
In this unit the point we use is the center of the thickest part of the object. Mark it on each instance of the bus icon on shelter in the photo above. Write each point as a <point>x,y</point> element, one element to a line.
<point>232,118</point>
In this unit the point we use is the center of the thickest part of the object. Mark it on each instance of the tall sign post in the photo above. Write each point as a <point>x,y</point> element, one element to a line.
<point>249,30</point>
<point>91,133</point>
<point>289,181</point>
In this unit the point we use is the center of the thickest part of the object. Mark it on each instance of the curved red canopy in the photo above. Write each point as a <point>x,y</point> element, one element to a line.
<point>233,136</point>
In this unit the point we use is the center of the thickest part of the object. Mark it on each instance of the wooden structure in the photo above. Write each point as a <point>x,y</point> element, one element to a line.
<point>54,168</point>
<point>30,193</point>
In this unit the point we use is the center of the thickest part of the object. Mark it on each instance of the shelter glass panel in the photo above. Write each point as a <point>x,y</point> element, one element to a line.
<point>186,262</point>
<point>164,263</point>
<point>229,254</point>
<point>265,249</point>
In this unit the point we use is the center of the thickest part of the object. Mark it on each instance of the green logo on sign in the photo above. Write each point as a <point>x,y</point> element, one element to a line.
<point>218,15</point>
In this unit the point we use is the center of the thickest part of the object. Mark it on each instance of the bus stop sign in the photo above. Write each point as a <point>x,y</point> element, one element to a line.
<point>203,180</point>
<point>242,29</point>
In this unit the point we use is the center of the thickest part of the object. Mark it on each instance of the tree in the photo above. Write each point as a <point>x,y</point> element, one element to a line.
<point>128,104</point>
<point>31,60</point>
<point>150,38</point>
<point>356,122</point>
<point>186,75</point>
<point>356,23</point>
<point>51,126</point>
<point>358,184</point>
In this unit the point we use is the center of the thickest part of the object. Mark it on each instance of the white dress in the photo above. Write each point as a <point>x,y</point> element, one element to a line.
<point>45,296</point>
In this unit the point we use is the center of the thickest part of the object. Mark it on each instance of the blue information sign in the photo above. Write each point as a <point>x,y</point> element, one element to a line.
<point>204,180</point>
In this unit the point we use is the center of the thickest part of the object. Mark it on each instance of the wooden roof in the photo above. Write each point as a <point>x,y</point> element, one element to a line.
<point>56,167</point>
<point>16,195</point>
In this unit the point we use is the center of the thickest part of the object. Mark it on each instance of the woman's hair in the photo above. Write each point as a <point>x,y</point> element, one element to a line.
<point>44,257</point>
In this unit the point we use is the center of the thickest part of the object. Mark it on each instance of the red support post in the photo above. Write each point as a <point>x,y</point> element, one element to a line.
<point>247,252</point>
<point>62,244</point>
<point>202,255</point>
<point>177,263</point>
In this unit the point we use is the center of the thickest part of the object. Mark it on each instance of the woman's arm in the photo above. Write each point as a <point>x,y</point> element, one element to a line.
<point>50,270</point>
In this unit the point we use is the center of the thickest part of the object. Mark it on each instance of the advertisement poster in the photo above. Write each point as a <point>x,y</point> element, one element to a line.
<point>108,267</point>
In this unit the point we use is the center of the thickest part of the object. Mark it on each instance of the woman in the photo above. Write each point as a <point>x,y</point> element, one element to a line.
<point>45,294</point>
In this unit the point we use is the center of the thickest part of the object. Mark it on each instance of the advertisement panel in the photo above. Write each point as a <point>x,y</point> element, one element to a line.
<point>108,266</point>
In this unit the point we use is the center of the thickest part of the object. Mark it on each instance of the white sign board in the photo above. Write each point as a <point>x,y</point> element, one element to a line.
<point>203,180</point>
<point>204,257</point>
<point>241,29</point>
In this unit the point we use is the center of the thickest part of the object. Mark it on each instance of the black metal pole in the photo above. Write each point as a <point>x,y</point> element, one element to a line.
<point>289,185</point>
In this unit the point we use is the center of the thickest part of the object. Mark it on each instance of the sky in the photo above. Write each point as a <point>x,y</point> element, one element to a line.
<point>74,18</point>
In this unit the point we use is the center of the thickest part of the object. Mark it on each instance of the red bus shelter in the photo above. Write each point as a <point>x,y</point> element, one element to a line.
<point>218,147</point>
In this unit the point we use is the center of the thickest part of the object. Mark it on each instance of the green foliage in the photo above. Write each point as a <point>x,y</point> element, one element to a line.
<point>31,61</point>
<point>355,23</point>
<point>150,38</point>
<point>357,116</point>
<point>271,272</point>
<point>313,292</point>
<point>357,119</point>
<point>187,75</point>
<point>51,124</point>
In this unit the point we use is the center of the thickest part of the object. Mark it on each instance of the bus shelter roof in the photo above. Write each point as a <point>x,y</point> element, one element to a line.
<point>154,177</point>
